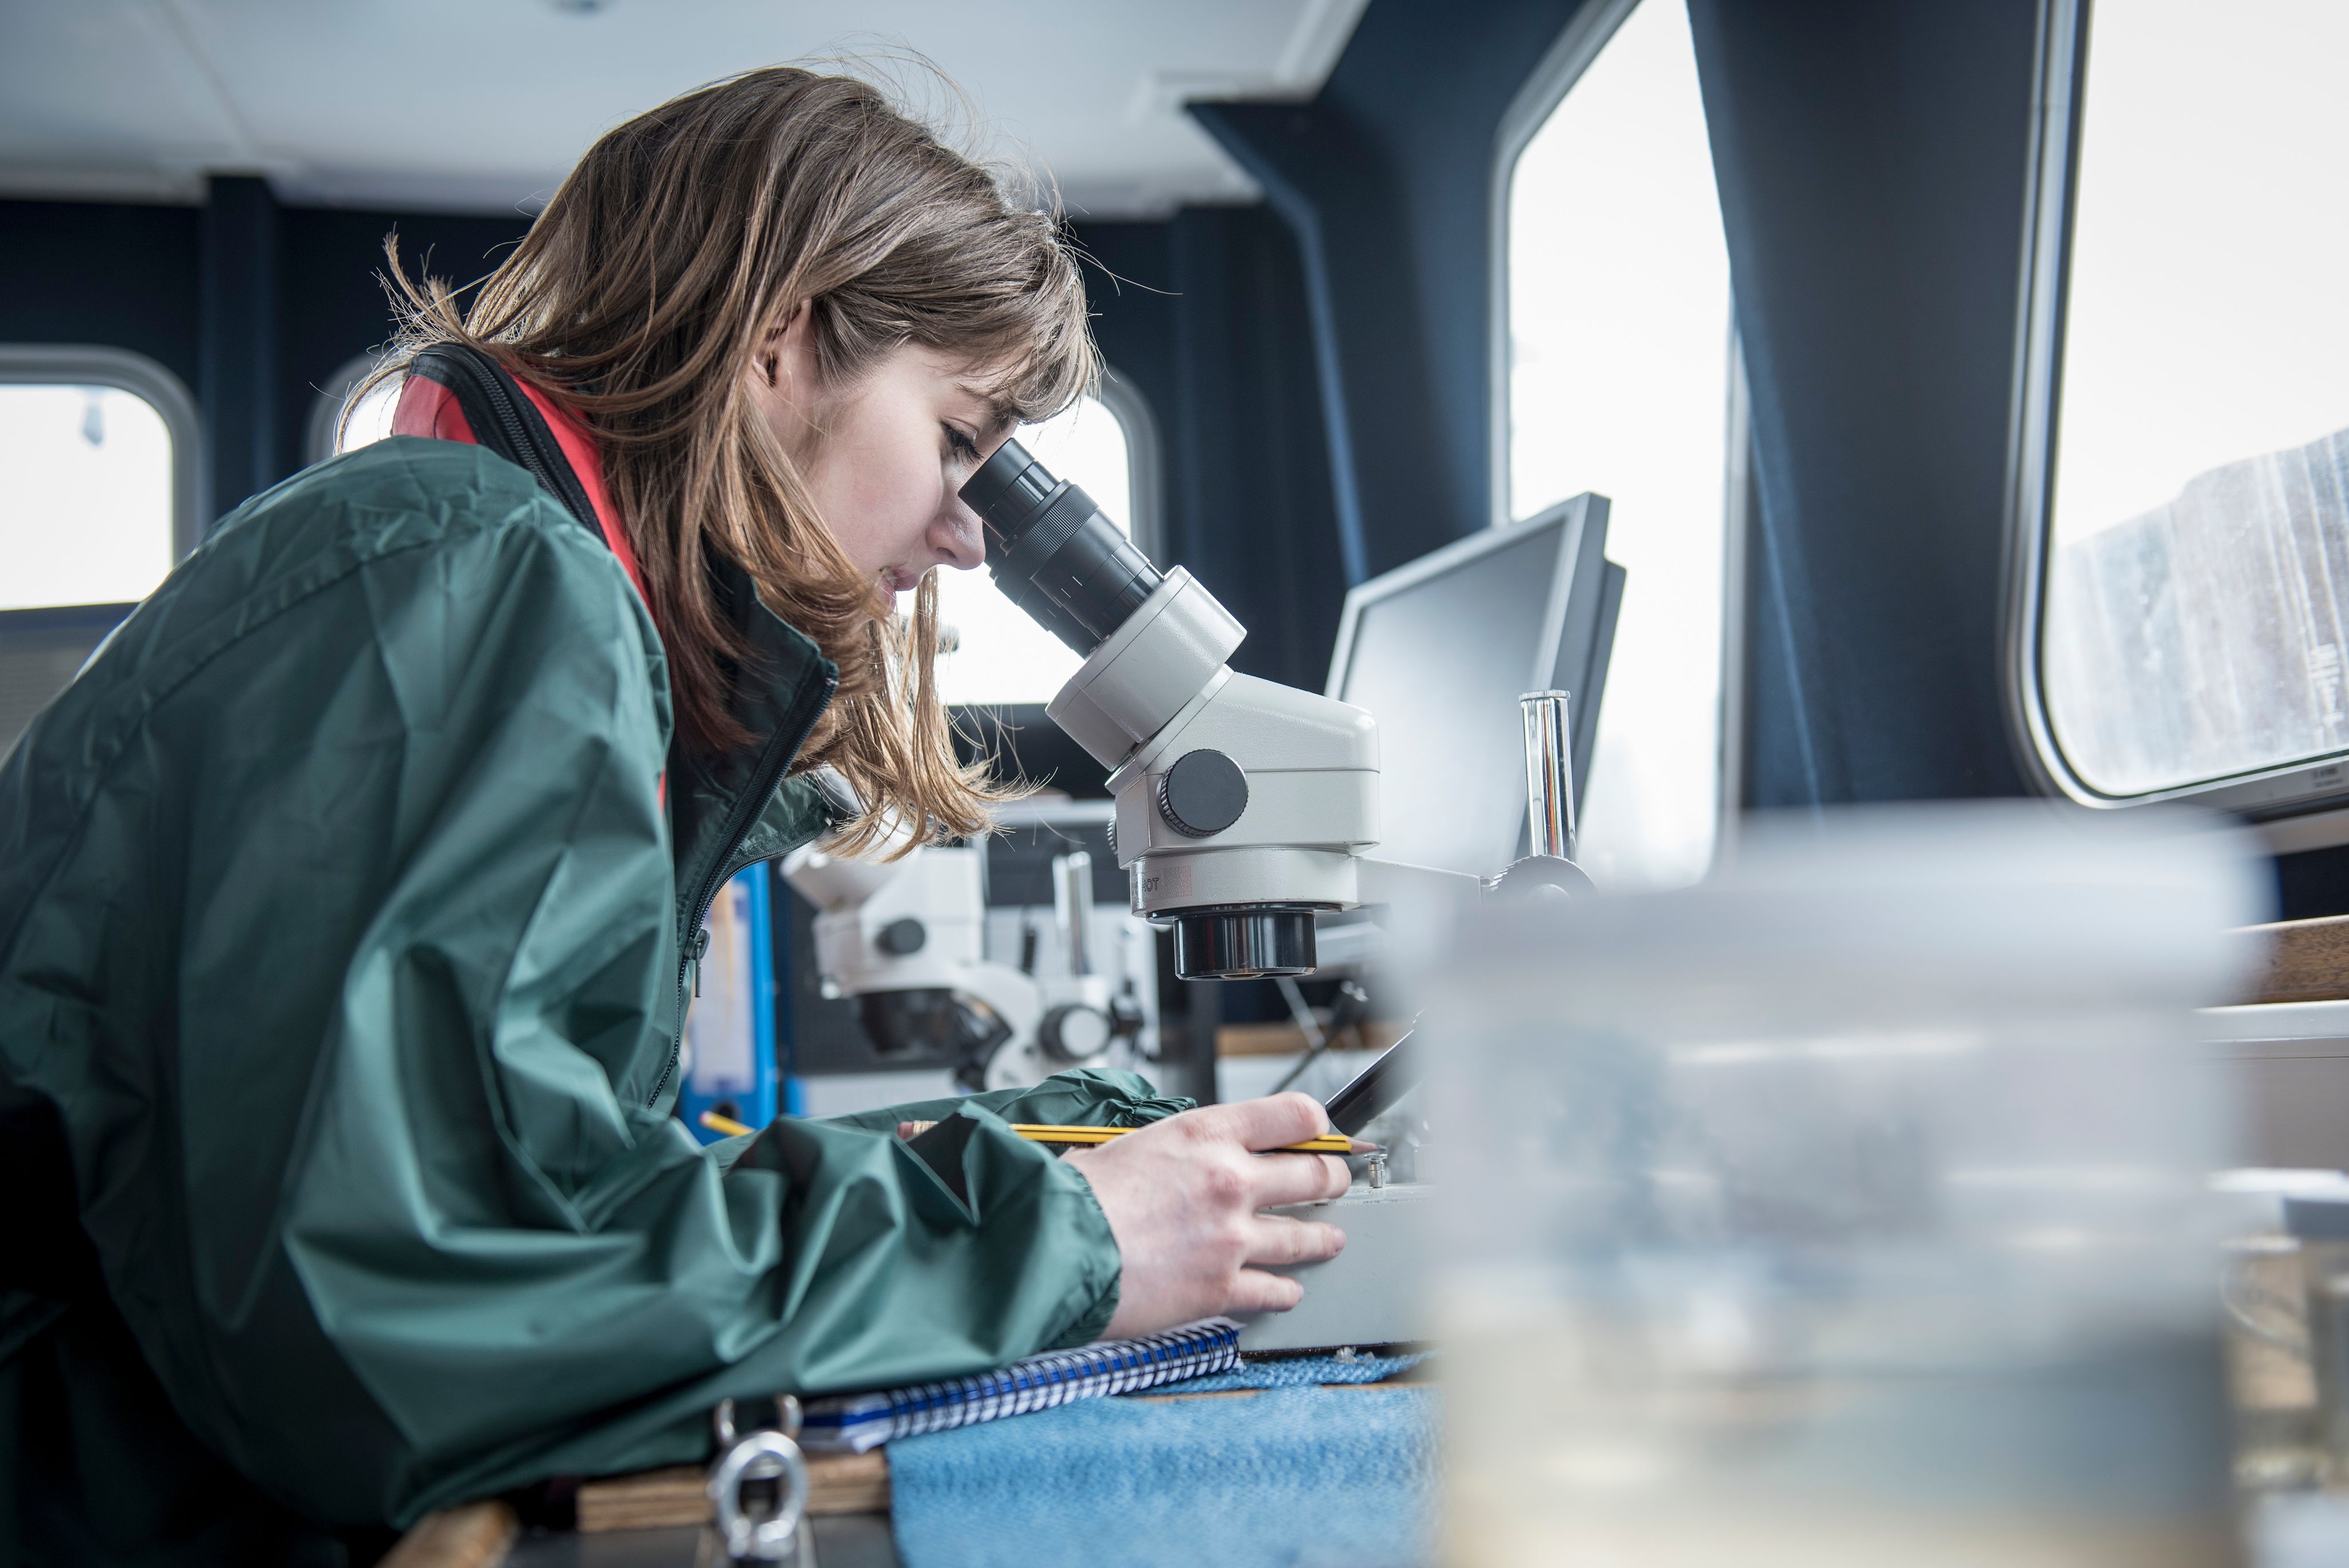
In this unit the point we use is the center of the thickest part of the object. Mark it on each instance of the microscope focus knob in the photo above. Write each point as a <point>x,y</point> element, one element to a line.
<point>901,938</point>
<point>1204,793</point>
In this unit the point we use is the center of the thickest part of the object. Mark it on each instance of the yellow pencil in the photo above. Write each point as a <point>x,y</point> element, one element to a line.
<point>1327,1142</point>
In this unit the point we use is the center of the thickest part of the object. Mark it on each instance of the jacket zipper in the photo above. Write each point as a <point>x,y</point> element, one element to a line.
<point>780,750</point>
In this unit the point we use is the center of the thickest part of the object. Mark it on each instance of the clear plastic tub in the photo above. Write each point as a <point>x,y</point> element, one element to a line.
<point>1846,1210</point>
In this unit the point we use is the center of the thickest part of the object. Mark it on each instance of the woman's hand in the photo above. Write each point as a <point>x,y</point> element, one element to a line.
<point>1182,1197</point>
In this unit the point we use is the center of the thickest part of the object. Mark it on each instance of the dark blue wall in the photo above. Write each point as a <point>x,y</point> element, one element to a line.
<point>87,272</point>
<point>1386,177</point>
<point>237,294</point>
<point>1205,315</point>
<point>332,306</point>
<point>1873,163</point>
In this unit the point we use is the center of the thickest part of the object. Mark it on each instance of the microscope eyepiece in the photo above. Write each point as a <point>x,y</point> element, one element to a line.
<point>1052,552</point>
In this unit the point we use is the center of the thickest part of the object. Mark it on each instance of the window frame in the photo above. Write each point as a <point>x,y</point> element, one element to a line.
<point>1576,48</point>
<point>1146,521</point>
<point>2302,805</point>
<point>124,370</point>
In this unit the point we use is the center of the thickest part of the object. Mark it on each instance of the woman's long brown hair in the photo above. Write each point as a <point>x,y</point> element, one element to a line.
<point>640,297</point>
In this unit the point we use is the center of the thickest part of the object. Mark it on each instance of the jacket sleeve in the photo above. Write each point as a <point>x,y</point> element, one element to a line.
<point>437,1243</point>
<point>1080,1098</point>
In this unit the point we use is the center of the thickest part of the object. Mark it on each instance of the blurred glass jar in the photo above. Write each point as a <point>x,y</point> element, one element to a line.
<point>1846,1209</point>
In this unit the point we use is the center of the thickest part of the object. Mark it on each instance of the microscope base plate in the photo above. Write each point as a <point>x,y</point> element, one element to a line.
<point>1373,1292</point>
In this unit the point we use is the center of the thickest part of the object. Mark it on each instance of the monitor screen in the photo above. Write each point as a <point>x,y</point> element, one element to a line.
<point>1440,651</point>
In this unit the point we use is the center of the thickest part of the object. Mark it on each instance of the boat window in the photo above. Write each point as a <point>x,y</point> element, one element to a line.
<point>2186,490</point>
<point>1619,380</point>
<point>91,515</point>
<point>100,446</point>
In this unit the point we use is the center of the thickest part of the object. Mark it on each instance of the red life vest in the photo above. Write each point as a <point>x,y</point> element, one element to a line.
<point>447,380</point>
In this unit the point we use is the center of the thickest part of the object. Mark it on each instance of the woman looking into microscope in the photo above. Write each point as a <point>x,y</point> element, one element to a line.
<point>347,900</point>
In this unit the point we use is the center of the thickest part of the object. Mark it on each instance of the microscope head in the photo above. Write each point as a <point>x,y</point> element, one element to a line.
<point>905,940</point>
<point>1241,805</point>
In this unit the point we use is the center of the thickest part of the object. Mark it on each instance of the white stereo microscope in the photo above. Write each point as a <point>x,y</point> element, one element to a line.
<point>906,939</point>
<point>1243,808</point>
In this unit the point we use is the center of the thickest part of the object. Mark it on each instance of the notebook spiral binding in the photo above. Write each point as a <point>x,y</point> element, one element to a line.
<point>853,1423</point>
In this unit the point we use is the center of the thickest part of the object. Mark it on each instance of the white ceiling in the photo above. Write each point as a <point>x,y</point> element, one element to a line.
<point>482,105</point>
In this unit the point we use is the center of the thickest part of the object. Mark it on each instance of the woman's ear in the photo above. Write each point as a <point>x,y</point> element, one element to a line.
<point>784,344</point>
<point>783,381</point>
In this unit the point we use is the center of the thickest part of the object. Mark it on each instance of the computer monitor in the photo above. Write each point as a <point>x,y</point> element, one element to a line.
<point>1441,649</point>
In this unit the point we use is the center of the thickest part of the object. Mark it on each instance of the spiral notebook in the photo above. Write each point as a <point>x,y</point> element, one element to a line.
<point>853,1423</point>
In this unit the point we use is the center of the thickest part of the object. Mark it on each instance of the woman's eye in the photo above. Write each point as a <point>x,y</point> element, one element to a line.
<point>959,443</point>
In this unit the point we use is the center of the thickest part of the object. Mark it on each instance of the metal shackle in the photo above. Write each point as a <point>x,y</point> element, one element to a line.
<point>764,1534</point>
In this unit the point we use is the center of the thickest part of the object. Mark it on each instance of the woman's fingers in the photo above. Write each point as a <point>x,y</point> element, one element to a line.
<point>1274,1122</point>
<point>1182,1199</point>
<point>1296,1177</point>
<point>1277,1241</point>
<point>1254,1290</point>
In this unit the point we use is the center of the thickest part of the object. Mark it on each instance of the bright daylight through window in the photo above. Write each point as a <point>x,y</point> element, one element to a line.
<point>369,418</point>
<point>2197,556</point>
<point>88,516</point>
<point>1618,382</point>
<point>1002,657</point>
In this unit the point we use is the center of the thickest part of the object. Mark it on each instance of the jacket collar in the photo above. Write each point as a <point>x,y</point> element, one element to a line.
<point>788,686</point>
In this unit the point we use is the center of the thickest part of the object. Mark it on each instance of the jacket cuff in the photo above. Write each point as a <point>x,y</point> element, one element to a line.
<point>1094,1292</point>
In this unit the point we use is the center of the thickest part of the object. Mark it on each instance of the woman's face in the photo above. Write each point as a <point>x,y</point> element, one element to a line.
<point>885,458</point>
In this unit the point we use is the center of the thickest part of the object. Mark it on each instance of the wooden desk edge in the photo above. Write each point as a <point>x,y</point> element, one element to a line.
<point>1283,1039</point>
<point>657,1499</point>
<point>2306,960</point>
<point>470,1535</point>
<point>481,1534</point>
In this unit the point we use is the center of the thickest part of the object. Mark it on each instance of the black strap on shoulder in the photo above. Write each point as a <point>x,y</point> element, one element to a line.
<point>506,421</point>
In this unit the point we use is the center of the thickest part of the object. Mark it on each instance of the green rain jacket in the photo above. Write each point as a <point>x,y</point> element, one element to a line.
<point>341,923</point>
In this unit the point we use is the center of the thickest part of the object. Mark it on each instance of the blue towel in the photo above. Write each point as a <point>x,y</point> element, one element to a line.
<point>1297,1372</point>
<point>1293,1477</point>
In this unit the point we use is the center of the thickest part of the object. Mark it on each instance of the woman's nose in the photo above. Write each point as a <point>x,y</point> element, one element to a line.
<point>958,535</point>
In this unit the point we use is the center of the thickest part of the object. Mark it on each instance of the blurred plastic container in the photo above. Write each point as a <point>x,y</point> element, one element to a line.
<point>1843,1210</point>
